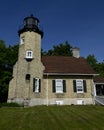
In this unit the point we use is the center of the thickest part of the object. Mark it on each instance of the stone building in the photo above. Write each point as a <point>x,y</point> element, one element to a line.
<point>48,80</point>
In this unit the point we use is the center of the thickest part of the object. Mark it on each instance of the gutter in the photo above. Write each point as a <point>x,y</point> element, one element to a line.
<point>70,74</point>
<point>99,83</point>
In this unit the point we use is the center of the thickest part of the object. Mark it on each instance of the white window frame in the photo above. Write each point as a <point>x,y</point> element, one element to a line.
<point>22,41</point>
<point>36,85</point>
<point>59,85</point>
<point>29,54</point>
<point>79,86</point>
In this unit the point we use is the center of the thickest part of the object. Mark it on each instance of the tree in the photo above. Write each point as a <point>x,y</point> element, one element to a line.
<point>8,57</point>
<point>98,67</point>
<point>63,49</point>
<point>92,61</point>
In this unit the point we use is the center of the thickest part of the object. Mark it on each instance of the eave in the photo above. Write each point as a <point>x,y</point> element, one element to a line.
<point>98,83</point>
<point>70,74</point>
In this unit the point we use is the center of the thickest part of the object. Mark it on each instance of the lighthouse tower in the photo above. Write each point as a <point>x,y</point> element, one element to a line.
<point>25,86</point>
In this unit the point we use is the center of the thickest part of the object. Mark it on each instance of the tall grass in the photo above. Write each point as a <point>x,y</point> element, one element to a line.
<point>52,118</point>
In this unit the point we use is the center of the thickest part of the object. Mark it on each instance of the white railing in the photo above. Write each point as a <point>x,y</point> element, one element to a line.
<point>99,100</point>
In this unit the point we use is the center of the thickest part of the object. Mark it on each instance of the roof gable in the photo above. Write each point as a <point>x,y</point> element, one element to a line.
<point>66,65</point>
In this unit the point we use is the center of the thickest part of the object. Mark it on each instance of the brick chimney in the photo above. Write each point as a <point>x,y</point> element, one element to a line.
<point>76,52</point>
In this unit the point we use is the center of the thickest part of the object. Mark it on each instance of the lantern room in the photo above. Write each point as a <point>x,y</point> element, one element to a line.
<point>30,23</point>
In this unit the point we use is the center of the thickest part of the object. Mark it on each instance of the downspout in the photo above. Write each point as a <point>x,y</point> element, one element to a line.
<point>47,91</point>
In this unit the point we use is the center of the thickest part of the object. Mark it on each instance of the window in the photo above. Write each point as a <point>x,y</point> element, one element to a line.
<point>80,102</point>
<point>59,86</point>
<point>79,86</point>
<point>27,76</point>
<point>36,85</point>
<point>29,54</point>
<point>22,40</point>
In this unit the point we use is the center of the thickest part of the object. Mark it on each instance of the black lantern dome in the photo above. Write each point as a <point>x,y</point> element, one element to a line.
<point>31,23</point>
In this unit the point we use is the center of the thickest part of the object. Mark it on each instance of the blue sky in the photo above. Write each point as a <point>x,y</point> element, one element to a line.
<point>80,22</point>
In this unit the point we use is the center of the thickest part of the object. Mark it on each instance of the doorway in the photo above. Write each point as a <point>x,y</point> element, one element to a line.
<point>99,89</point>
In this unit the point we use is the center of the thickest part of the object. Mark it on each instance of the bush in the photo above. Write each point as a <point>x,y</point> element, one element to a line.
<point>9,105</point>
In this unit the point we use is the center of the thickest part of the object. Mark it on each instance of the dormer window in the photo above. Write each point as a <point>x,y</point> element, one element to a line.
<point>29,54</point>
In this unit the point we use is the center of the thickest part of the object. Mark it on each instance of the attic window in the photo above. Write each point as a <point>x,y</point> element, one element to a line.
<point>29,54</point>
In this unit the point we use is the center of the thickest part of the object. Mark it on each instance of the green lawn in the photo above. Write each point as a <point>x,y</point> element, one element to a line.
<point>52,118</point>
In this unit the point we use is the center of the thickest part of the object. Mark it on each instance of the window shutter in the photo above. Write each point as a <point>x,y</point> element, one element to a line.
<point>39,85</point>
<point>53,86</point>
<point>84,85</point>
<point>33,84</point>
<point>74,86</point>
<point>64,86</point>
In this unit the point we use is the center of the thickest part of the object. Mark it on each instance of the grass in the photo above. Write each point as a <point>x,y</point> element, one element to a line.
<point>52,118</point>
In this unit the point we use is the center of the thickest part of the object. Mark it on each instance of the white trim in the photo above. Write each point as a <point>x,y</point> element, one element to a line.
<point>70,74</point>
<point>99,83</point>
<point>79,85</point>
<point>59,84</point>
<point>36,85</point>
<point>93,90</point>
<point>22,40</point>
<point>29,54</point>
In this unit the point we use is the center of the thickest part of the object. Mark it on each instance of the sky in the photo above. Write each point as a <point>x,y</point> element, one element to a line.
<point>80,22</point>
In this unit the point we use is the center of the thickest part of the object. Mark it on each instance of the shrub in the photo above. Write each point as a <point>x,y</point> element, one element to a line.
<point>9,105</point>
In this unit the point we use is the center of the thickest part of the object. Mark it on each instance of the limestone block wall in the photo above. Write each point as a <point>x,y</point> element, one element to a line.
<point>12,84</point>
<point>21,89</point>
<point>69,97</point>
